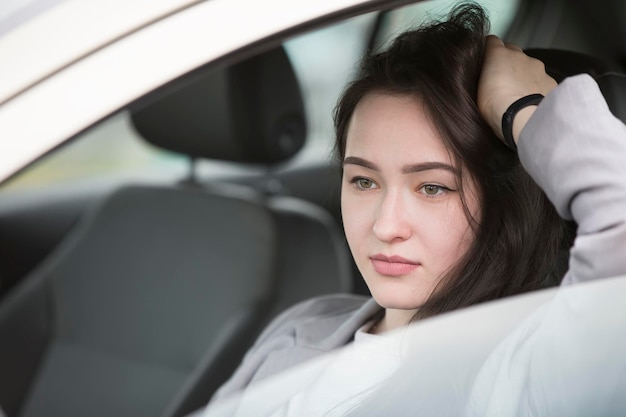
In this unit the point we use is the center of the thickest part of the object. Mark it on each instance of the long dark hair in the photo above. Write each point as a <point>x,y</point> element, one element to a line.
<point>519,237</point>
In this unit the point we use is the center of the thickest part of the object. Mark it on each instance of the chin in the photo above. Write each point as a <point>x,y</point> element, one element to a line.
<point>398,300</point>
<point>399,293</point>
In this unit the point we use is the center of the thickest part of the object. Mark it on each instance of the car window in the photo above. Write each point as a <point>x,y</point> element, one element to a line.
<point>501,13</point>
<point>323,60</point>
<point>112,150</point>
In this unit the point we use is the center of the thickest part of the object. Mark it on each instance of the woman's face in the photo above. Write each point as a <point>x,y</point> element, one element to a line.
<point>402,213</point>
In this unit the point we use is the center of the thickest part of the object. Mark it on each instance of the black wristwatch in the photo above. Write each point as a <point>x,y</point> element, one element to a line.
<point>509,116</point>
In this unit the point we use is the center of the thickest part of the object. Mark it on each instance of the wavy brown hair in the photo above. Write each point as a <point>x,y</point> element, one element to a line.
<point>519,238</point>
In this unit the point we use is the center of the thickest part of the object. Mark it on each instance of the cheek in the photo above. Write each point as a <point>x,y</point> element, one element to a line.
<point>356,220</point>
<point>450,234</point>
<point>461,234</point>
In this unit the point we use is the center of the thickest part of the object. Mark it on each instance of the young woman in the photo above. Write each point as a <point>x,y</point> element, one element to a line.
<point>439,210</point>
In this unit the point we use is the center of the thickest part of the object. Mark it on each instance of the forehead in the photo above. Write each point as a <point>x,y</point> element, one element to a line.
<point>398,127</point>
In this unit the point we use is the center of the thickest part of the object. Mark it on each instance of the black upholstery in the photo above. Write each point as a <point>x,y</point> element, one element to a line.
<point>129,307</point>
<point>613,88</point>
<point>561,64</point>
<point>150,302</point>
<point>250,112</point>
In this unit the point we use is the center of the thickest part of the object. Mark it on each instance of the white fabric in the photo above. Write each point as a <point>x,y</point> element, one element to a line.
<point>349,378</point>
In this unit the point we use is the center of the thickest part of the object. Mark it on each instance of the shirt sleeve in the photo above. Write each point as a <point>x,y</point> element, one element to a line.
<point>575,149</point>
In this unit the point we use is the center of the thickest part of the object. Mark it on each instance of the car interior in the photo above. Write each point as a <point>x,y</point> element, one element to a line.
<point>143,296</point>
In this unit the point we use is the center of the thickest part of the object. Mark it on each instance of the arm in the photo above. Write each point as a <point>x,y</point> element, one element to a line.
<point>573,148</point>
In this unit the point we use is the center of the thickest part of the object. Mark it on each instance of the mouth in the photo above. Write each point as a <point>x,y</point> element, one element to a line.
<point>393,266</point>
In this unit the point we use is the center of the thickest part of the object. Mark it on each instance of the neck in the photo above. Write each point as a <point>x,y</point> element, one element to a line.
<point>394,319</point>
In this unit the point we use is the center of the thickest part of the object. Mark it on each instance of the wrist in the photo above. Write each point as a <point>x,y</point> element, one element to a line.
<point>520,121</point>
<point>513,123</point>
<point>521,118</point>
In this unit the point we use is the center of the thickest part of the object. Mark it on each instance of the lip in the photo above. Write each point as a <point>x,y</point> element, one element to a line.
<point>393,266</point>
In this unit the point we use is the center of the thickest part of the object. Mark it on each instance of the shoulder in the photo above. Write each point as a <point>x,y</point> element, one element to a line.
<point>307,330</point>
<point>300,333</point>
<point>325,306</point>
<point>324,312</point>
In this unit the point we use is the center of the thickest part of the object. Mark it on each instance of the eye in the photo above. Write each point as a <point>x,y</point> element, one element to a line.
<point>362,183</point>
<point>433,190</point>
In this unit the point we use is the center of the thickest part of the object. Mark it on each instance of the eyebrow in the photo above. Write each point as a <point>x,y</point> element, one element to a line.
<point>407,169</point>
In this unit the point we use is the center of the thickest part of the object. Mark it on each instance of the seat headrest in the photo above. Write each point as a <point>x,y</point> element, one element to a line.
<point>249,112</point>
<point>561,64</point>
<point>613,87</point>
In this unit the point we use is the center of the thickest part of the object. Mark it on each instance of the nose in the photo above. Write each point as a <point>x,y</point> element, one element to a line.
<point>392,220</point>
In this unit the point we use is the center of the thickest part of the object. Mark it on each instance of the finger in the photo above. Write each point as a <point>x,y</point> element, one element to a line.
<point>512,46</point>
<point>493,40</point>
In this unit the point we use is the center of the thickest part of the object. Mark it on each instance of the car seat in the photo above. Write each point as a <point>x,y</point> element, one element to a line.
<point>148,304</point>
<point>562,63</point>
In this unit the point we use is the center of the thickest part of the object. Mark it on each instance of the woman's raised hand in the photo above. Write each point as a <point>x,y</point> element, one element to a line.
<point>507,75</point>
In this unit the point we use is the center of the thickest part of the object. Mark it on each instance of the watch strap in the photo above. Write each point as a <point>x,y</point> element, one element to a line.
<point>509,116</point>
